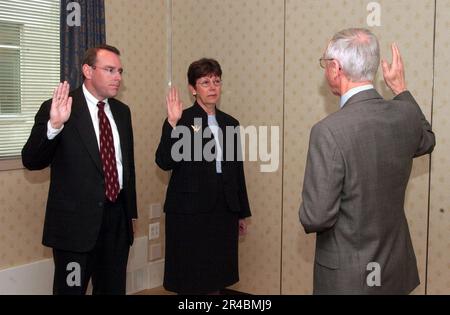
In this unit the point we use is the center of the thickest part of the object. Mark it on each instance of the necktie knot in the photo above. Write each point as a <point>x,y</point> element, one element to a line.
<point>101,105</point>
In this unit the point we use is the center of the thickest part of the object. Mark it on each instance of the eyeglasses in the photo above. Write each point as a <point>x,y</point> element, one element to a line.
<point>207,83</point>
<point>323,63</point>
<point>110,70</point>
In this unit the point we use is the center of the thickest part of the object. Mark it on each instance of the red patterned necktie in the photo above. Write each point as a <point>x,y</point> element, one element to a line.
<point>108,155</point>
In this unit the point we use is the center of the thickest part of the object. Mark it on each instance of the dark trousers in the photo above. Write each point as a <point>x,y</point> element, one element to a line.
<point>106,263</point>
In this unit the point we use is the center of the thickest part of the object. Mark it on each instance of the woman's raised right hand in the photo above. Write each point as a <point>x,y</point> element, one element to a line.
<point>174,107</point>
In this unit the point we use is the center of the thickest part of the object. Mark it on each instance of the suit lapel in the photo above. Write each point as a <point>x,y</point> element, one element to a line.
<point>199,113</point>
<point>83,122</point>
<point>222,125</point>
<point>120,121</point>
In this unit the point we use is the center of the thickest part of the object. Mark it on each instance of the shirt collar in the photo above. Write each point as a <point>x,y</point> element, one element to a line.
<point>351,92</point>
<point>91,98</point>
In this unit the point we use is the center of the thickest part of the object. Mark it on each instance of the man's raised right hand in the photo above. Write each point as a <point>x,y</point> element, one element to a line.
<point>61,105</point>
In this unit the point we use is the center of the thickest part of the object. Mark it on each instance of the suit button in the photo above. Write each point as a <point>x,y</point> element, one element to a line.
<point>100,204</point>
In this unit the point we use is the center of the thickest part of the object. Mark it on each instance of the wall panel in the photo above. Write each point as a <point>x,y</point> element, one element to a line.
<point>439,240</point>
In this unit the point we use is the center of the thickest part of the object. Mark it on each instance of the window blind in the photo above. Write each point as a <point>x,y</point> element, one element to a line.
<point>29,66</point>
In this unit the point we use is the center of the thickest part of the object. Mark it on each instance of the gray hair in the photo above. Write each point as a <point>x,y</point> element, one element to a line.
<point>358,52</point>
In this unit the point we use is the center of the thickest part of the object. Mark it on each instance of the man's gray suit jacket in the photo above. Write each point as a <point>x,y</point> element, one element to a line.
<point>358,166</point>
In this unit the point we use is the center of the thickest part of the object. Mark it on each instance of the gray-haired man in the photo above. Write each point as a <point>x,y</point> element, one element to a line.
<point>358,166</point>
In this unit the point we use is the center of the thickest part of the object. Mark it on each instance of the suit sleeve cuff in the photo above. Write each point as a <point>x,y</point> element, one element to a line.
<point>403,95</point>
<point>52,132</point>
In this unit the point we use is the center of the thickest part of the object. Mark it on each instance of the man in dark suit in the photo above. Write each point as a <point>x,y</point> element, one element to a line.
<point>358,166</point>
<point>86,138</point>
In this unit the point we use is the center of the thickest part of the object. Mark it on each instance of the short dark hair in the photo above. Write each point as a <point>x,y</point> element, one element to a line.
<point>201,68</point>
<point>90,56</point>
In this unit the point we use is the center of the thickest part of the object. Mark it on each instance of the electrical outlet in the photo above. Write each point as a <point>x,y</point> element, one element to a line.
<point>153,231</point>
<point>154,211</point>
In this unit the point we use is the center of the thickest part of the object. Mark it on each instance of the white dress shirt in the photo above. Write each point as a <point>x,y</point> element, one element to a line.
<point>214,126</point>
<point>354,91</point>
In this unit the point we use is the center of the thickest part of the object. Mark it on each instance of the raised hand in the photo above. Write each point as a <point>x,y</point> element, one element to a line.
<point>61,105</point>
<point>394,74</point>
<point>174,107</point>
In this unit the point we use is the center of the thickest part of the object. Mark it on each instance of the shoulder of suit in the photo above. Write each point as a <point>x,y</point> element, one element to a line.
<point>404,99</point>
<point>47,102</point>
<point>189,111</point>
<point>187,115</point>
<point>116,102</point>
<point>119,106</point>
<point>78,92</point>
<point>407,109</point>
<point>330,119</point>
<point>228,118</point>
<point>320,125</point>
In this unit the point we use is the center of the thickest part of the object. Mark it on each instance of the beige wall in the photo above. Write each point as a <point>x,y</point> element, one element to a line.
<point>22,201</point>
<point>269,52</point>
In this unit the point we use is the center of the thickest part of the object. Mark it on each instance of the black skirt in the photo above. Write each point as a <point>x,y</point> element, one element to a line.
<point>202,250</point>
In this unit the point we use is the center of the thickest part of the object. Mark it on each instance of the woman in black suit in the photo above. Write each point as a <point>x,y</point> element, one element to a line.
<point>206,201</point>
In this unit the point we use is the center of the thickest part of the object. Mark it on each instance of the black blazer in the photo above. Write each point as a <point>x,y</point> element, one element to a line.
<point>76,196</point>
<point>193,185</point>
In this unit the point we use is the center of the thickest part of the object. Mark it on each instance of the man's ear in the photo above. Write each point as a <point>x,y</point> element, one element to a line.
<point>87,71</point>
<point>337,71</point>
